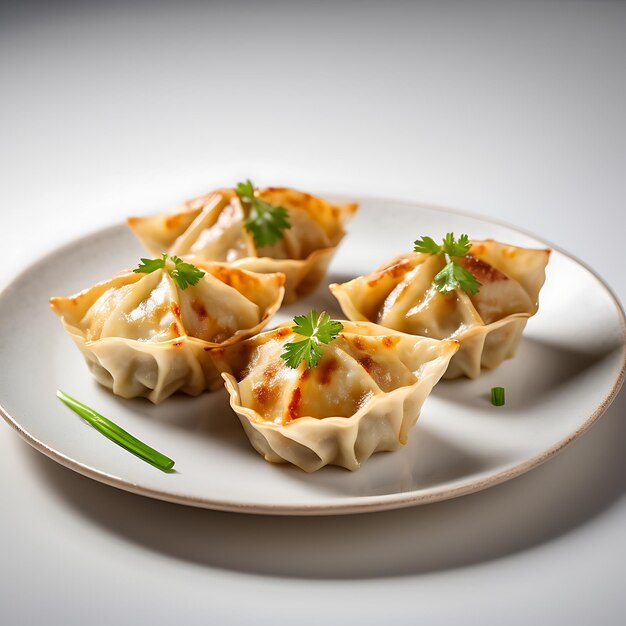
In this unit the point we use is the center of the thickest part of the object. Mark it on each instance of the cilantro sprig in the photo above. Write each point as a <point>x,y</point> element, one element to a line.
<point>147,266</point>
<point>452,276</point>
<point>183,273</point>
<point>449,246</point>
<point>316,329</point>
<point>265,222</point>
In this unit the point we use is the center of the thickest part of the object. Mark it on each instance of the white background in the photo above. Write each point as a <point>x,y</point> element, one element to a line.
<point>511,110</point>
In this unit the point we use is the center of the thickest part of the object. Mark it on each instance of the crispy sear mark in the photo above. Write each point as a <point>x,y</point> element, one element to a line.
<point>484,272</point>
<point>234,277</point>
<point>264,393</point>
<point>325,369</point>
<point>274,190</point>
<point>267,390</point>
<point>199,309</point>
<point>295,200</point>
<point>173,221</point>
<point>395,270</point>
<point>269,373</point>
<point>293,408</point>
<point>222,274</point>
<point>390,341</point>
<point>358,342</point>
<point>367,363</point>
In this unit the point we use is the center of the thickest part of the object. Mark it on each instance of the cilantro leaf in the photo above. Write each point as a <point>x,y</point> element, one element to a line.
<point>454,276</point>
<point>245,190</point>
<point>184,274</point>
<point>265,222</point>
<point>327,329</point>
<point>317,330</point>
<point>147,266</point>
<point>468,282</point>
<point>426,245</point>
<point>453,247</point>
<point>305,324</point>
<point>305,350</point>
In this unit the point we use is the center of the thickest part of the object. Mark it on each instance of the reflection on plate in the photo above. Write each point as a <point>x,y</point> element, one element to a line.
<point>569,367</point>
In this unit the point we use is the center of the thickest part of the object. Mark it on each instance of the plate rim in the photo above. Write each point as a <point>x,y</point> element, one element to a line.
<point>352,504</point>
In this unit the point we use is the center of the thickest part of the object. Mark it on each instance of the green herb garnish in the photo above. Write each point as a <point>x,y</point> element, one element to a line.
<point>147,266</point>
<point>317,329</point>
<point>497,396</point>
<point>116,434</point>
<point>265,222</point>
<point>452,276</point>
<point>183,273</point>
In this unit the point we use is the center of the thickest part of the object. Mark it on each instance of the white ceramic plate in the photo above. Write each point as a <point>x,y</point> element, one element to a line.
<point>569,367</point>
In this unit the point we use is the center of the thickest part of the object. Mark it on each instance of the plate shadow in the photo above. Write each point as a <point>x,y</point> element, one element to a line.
<point>567,491</point>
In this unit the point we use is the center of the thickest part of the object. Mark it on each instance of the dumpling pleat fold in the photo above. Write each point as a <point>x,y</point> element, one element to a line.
<point>489,324</point>
<point>142,335</point>
<point>363,396</point>
<point>211,228</point>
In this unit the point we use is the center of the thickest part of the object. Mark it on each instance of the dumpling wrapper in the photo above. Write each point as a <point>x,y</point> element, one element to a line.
<point>211,228</point>
<point>362,397</point>
<point>141,335</point>
<point>488,325</point>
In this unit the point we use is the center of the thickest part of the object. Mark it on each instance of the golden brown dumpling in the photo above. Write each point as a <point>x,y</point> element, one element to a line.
<point>363,396</point>
<point>211,228</point>
<point>142,335</point>
<point>489,324</point>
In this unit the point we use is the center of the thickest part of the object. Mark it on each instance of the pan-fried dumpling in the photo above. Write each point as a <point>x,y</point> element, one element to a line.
<point>488,324</point>
<point>211,228</point>
<point>363,396</point>
<point>143,335</point>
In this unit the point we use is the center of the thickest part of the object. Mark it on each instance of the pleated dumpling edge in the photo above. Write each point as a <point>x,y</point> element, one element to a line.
<point>211,227</point>
<point>143,336</point>
<point>363,397</point>
<point>488,325</point>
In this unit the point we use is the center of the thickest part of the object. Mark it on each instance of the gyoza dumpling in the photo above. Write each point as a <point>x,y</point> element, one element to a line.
<point>211,228</point>
<point>143,334</point>
<point>362,397</point>
<point>488,324</point>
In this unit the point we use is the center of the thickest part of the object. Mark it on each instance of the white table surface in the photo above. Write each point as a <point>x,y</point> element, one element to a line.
<point>511,110</point>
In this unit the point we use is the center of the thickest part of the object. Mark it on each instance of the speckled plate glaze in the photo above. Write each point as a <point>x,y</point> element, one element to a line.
<point>569,367</point>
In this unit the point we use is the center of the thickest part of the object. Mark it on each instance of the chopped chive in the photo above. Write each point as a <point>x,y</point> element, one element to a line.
<point>116,434</point>
<point>497,396</point>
